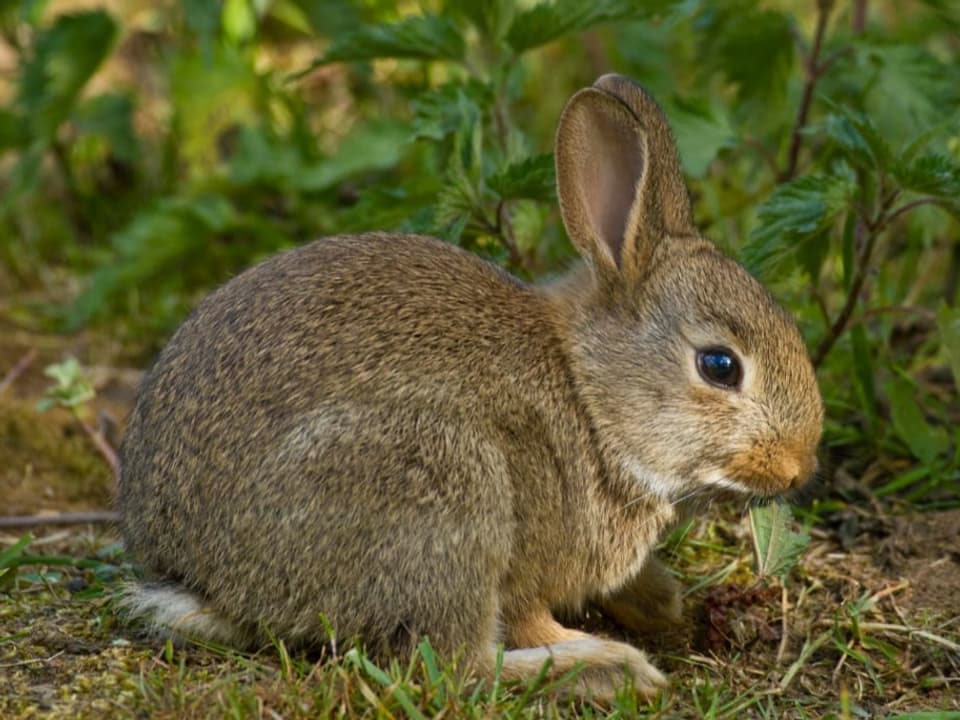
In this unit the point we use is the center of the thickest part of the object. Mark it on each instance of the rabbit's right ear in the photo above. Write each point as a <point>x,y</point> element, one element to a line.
<point>618,177</point>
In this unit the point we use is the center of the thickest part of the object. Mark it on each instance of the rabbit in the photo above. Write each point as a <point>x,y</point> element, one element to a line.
<point>386,436</point>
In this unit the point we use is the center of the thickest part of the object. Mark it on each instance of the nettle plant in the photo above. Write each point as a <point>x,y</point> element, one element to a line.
<point>820,139</point>
<point>823,144</point>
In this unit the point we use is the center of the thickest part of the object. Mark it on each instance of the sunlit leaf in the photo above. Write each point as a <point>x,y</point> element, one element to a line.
<point>550,19</point>
<point>777,547</point>
<point>925,441</point>
<point>423,37</point>
<point>533,179</point>
<point>65,56</point>
<point>798,211</point>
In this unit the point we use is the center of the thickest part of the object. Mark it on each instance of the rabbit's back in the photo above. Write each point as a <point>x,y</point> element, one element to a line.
<point>320,404</point>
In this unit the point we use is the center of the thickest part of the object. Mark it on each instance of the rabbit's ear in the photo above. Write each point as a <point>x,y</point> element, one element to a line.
<point>618,176</point>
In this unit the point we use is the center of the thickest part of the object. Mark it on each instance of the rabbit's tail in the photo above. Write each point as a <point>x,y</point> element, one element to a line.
<point>170,610</point>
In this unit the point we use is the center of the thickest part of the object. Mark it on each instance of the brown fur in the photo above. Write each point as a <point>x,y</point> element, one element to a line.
<point>392,434</point>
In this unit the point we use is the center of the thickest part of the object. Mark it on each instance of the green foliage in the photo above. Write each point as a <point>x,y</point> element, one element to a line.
<point>776,546</point>
<point>822,151</point>
<point>71,388</point>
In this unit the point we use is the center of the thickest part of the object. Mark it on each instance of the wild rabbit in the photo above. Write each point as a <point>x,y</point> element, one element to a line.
<point>388,433</point>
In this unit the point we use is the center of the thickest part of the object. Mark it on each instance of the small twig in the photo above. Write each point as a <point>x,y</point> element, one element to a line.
<point>809,648</point>
<point>17,370</point>
<point>34,661</point>
<point>813,73</point>
<point>103,447</point>
<point>80,518</point>
<point>784,635</point>
<point>907,207</point>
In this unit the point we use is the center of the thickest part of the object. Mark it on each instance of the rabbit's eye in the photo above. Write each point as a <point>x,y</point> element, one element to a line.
<point>719,366</point>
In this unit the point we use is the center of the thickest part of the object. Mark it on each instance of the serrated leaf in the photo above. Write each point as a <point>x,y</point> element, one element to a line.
<point>777,547</point>
<point>548,20</point>
<point>531,179</point>
<point>937,175</point>
<point>855,135</point>
<point>439,112</point>
<point>924,441</point>
<point>736,34</point>
<point>701,132</point>
<point>65,57</point>
<point>158,240</point>
<point>799,211</point>
<point>422,37</point>
<point>491,17</point>
<point>911,89</point>
<point>372,145</point>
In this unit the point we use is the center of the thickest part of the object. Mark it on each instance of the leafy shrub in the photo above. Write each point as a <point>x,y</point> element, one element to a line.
<point>821,141</point>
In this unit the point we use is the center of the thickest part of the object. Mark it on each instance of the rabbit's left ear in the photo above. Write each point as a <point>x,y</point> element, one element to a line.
<point>618,176</point>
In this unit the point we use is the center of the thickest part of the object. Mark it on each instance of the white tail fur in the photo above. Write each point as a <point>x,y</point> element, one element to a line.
<point>171,610</point>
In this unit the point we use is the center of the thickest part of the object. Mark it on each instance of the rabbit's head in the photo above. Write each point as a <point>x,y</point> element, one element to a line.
<point>695,378</point>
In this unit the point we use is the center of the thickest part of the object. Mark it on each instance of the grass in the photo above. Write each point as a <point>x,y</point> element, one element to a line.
<point>855,647</point>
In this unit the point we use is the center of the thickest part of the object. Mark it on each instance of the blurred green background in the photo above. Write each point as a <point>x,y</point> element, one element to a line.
<point>150,150</point>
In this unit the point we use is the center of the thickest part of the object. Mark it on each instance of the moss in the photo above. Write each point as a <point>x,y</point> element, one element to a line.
<point>49,463</point>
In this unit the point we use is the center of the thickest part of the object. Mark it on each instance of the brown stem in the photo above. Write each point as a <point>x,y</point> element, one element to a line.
<point>859,17</point>
<point>907,207</point>
<point>81,518</point>
<point>853,296</point>
<point>813,73</point>
<point>103,447</point>
<point>17,370</point>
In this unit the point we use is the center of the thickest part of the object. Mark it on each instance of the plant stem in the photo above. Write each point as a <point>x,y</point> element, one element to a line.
<point>853,296</point>
<point>813,72</point>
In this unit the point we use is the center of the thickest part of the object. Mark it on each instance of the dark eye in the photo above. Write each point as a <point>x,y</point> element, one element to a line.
<point>719,366</point>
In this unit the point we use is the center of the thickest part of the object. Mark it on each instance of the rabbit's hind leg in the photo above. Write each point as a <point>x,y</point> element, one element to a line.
<point>649,602</point>
<point>604,665</point>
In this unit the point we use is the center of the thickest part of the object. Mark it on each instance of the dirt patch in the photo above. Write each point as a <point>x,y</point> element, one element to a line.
<point>925,549</point>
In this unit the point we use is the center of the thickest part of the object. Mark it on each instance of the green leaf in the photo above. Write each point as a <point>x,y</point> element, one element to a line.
<point>439,112</point>
<point>736,35</point>
<point>491,17</point>
<point>239,20</point>
<point>12,130</point>
<point>937,175</point>
<point>701,131</point>
<point>422,37</point>
<point>910,90</point>
<point>548,20</point>
<point>532,179</point>
<point>864,372</point>
<point>157,243</point>
<point>110,116</point>
<point>924,441</point>
<point>71,387</point>
<point>797,212</point>
<point>65,57</point>
<point>777,548</point>
<point>948,325</point>
<point>855,135</point>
